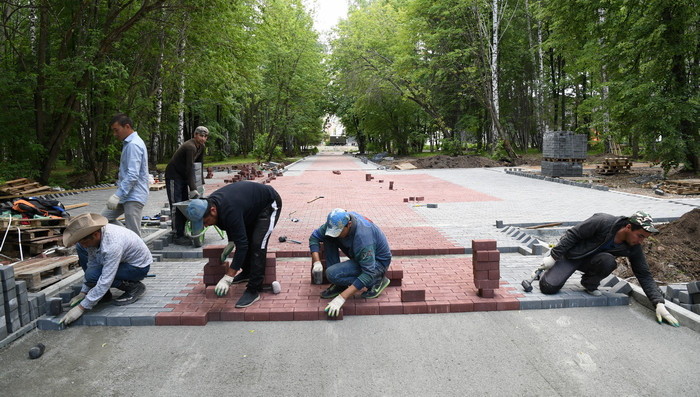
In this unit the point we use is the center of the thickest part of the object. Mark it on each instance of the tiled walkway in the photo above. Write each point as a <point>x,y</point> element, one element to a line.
<point>431,248</point>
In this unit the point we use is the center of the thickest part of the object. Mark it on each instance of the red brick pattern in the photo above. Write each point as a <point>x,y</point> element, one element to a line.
<point>485,263</point>
<point>424,259</point>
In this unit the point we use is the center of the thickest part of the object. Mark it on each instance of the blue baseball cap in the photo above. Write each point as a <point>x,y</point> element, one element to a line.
<point>195,213</point>
<point>337,220</point>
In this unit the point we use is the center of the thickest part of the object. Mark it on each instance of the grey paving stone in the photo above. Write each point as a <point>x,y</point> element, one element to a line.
<point>50,323</point>
<point>118,321</point>
<point>551,302</point>
<point>574,301</point>
<point>143,320</point>
<point>592,301</point>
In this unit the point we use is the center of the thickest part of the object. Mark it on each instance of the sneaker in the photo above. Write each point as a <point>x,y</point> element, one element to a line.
<point>240,278</point>
<point>132,292</point>
<point>182,240</point>
<point>332,291</point>
<point>106,297</point>
<point>594,292</point>
<point>376,289</point>
<point>249,297</point>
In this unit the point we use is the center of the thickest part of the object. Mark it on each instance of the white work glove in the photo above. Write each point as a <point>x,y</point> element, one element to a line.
<point>547,263</point>
<point>223,285</point>
<point>72,315</point>
<point>227,251</point>
<point>194,194</point>
<point>317,271</point>
<point>663,314</point>
<point>77,299</point>
<point>113,202</point>
<point>333,308</point>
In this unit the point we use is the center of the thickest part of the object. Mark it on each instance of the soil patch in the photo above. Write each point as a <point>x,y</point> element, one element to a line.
<point>444,161</point>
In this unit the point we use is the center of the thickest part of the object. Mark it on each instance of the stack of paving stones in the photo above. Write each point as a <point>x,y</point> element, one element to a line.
<point>687,296</point>
<point>486,267</point>
<point>18,308</point>
<point>563,153</point>
<point>520,172</point>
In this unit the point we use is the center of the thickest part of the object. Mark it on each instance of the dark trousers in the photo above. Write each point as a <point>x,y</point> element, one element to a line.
<point>258,237</point>
<point>594,269</point>
<point>178,190</point>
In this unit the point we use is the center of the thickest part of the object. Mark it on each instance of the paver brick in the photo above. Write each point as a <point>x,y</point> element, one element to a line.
<point>412,295</point>
<point>483,245</point>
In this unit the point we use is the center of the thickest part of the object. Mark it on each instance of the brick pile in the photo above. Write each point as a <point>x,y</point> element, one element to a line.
<point>687,296</point>
<point>486,265</point>
<point>18,308</point>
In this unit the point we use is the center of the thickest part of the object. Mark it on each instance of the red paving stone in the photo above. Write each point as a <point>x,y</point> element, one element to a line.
<point>446,278</point>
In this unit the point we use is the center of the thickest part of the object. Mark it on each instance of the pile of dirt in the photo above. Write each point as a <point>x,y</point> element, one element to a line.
<point>673,253</point>
<point>444,161</point>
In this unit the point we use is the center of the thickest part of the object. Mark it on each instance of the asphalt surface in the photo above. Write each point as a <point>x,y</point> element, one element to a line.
<point>612,350</point>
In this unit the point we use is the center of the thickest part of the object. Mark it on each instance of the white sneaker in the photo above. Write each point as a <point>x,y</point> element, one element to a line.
<point>594,292</point>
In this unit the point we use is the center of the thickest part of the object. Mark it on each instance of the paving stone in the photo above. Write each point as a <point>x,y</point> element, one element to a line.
<point>50,324</point>
<point>622,287</point>
<point>693,287</point>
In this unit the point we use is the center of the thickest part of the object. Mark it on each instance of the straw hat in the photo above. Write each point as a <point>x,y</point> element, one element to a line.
<point>81,226</point>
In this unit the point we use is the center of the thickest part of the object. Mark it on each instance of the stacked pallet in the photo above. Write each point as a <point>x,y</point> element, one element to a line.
<point>563,153</point>
<point>612,166</point>
<point>24,187</point>
<point>39,273</point>
<point>28,237</point>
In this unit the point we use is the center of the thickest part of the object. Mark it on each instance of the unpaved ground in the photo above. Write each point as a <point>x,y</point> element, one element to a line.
<point>673,254</point>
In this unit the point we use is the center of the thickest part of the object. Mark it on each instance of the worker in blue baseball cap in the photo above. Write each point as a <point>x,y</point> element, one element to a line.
<point>248,212</point>
<point>368,254</point>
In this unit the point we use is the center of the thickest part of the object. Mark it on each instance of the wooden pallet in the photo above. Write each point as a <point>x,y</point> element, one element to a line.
<point>612,166</point>
<point>32,247</point>
<point>41,272</point>
<point>157,186</point>
<point>23,186</point>
<point>34,223</point>
<point>682,186</point>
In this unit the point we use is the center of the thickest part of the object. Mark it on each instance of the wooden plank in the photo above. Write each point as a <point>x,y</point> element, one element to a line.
<point>46,271</point>
<point>29,265</point>
<point>34,223</point>
<point>157,186</point>
<point>38,190</point>
<point>72,206</point>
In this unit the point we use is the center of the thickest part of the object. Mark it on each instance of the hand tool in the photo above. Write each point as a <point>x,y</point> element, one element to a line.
<point>527,284</point>
<point>284,238</point>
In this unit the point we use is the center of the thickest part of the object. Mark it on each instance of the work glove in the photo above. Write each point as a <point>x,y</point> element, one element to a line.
<point>113,202</point>
<point>663,314</point>
<point>223,285</point>
<point>227,251</point>
<point>547,263</point>
<point>72,315</point>
<point>333,308</point>
<point>194,194</point>
<point>317,271</point>
<point>77,299</point>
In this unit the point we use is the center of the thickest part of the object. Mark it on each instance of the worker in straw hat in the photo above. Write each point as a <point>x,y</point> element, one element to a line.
<point>112,257</point>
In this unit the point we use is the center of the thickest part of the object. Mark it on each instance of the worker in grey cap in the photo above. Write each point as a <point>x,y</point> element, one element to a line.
<point>180,179</point>
<point>111,256</point>
<point>592,246</point>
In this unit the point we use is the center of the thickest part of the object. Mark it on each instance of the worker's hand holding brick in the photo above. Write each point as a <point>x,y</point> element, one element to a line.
<point>663,314</point>
<point>333,308</point>
<point>77,299</point>
<point>72,315</point>
<point>113,202</point>
<point>224,284</point>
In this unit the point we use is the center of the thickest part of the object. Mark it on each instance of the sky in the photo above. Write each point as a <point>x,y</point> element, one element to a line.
<point>328,12</point>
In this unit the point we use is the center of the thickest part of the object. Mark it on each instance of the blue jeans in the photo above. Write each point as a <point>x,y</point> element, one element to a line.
<point>345,273</point>
<point>125,272</point>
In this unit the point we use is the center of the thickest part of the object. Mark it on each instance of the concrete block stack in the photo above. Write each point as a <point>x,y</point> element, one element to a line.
<point>270,269</point>
<point>486,266</point>
<point>685,295</point>
<point>563,153</point>
<point>18,307</point>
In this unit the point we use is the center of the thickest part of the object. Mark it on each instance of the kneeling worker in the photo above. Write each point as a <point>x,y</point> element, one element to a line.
<point>367,249</point>
<point>112,257</point>
<point>591,247</point>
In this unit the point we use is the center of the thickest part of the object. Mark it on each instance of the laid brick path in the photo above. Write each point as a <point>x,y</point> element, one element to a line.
<point>431,247</point>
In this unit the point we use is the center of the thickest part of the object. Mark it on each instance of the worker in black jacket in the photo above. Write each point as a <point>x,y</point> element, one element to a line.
<point>180,179</point>
<point>591,247</point>
<point>248,212</point>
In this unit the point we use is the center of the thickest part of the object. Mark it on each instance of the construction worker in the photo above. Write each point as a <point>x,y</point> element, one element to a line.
<point>180,181</point>
<point>591,247</point>
<point>369,257</point>
<point>111,256</point>
<point>132,186</point>
<point>248,212</point>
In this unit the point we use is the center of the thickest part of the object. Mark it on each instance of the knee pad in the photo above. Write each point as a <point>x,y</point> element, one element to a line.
<point>547,288</point>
